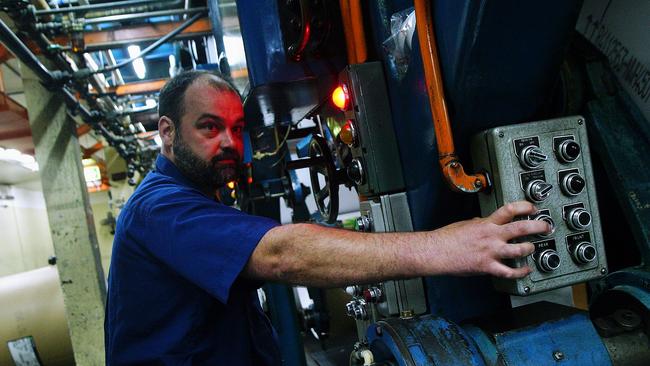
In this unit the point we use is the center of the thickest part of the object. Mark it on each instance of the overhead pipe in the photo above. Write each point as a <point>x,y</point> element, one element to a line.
<point>154,45</point>
<point>96,7</point>
<point>24,54</point>
<point>159,13</point>
<point>451,166</point>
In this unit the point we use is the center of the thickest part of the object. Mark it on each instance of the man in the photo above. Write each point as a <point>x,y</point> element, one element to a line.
<point>185,267</point>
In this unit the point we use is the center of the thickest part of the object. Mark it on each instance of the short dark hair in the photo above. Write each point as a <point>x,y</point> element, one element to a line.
<point>171,100</point>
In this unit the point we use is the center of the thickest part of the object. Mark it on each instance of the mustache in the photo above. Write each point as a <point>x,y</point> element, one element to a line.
<point>227,154</point>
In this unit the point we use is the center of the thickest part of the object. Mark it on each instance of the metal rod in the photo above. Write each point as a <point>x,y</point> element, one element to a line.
<point>95,7</point>
<point>18,48</point>
<point>156,44</point>
<point>160,13</point>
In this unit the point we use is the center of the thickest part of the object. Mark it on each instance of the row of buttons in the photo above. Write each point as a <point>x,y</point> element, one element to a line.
<point>532,156</point>
<point>571,184</point>
<point>549,260</point>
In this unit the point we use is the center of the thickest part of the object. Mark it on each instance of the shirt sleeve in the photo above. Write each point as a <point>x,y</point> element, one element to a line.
<point>204,241</point>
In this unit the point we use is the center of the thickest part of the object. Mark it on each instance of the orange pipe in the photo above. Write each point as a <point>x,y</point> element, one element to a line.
<point>347,30</point>
<point>356,17</point>
<point>452,169</point>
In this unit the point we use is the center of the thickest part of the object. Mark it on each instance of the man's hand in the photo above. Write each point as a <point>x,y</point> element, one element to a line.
<point>316,256</point>
<point>478,246</point>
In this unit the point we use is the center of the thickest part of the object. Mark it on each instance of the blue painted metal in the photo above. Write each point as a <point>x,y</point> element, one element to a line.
<point>421,341</point>
<point>217,30</point>
<point>302,147</point>
<point>484,344</point>
<point>632,281</point>
<point>493,76</point>
<point>282,307</point>
<point>455,298</point>
<point>574,337</point>
<point>266,56</point>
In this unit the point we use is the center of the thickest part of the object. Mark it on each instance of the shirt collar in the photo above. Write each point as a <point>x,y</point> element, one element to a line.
<point>165,166</point>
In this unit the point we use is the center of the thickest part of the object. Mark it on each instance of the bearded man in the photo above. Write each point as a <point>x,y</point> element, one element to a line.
<point>185,268</point>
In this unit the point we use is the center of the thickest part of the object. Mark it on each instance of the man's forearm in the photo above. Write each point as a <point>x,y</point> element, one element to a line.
<point>318,256</point>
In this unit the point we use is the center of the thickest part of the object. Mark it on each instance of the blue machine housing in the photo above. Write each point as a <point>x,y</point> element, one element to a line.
<point>500,62</point>
<point>568,337</point>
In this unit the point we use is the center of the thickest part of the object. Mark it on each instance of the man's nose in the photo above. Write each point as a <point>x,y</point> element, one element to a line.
<point>228,138</point>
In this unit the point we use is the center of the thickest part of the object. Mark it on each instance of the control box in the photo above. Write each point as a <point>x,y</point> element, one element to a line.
<point>399,298</point>
<point>375,167</point>
<point>548,164</point>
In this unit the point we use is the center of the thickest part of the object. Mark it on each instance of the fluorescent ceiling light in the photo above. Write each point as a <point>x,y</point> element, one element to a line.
<point>138,64</point>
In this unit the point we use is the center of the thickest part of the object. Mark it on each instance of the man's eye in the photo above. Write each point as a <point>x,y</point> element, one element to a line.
<point>210,126</point>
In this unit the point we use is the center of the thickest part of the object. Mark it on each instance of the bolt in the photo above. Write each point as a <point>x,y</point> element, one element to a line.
<point>580,121</point>
<point>478,183</point>
<point>526,289</point>
<point>501,134</point>
<point>557,355</point>
<point>379,331</point>
<point>51,260</point>
<point>603,270</point>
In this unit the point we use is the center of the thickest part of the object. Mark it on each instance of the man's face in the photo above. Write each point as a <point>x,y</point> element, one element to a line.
<point>208,146</point>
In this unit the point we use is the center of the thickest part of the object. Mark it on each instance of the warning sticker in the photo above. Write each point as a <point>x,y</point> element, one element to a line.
<point>23,352</point>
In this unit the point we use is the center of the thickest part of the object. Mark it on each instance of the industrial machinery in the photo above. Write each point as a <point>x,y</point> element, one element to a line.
<point>369,94</point>
<point>396,102</point>
<point>549,164</point>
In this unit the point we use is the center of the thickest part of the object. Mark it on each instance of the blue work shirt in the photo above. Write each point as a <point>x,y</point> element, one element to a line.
<point>175,296</point>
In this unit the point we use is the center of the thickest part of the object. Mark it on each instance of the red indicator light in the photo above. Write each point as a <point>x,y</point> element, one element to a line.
<point>340,97</point>
<point>250,180</point>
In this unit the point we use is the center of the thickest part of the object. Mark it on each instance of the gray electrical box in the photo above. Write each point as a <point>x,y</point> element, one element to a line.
<point>375,167</point>
<point>399,298</point>
<point>548,164</point>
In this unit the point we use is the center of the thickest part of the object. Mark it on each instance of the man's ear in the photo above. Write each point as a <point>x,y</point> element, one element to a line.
<point>166,130</point>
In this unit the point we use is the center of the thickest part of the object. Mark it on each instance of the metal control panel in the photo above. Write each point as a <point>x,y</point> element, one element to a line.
<point>375,167</point>
<point>547,163</point>
<point>402,298</point>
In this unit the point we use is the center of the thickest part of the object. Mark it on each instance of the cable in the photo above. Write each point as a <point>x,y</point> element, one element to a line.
<point>259,155</point>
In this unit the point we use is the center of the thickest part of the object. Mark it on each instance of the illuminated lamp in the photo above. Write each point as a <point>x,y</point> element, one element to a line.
<point>348,134</point>
<point>341,98</point>
<point>231,185</point>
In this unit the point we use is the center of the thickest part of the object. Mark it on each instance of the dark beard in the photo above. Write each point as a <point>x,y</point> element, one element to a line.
<point>208,176</point>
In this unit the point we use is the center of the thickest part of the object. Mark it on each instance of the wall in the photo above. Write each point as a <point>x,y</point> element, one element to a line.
<point>25,241</point>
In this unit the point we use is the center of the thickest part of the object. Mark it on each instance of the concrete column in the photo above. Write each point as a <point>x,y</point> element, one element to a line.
<point>73,232</point>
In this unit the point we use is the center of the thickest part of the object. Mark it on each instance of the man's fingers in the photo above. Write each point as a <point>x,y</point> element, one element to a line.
<point>501,270</point>
<point>516,250</point>
<point>506,213</point>
<point>522,228</point>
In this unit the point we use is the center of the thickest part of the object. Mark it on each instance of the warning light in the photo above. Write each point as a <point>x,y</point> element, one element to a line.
<point>340,97</point>
<point>231,185</point>
<point>250,180</point>
<point>348,134</point>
